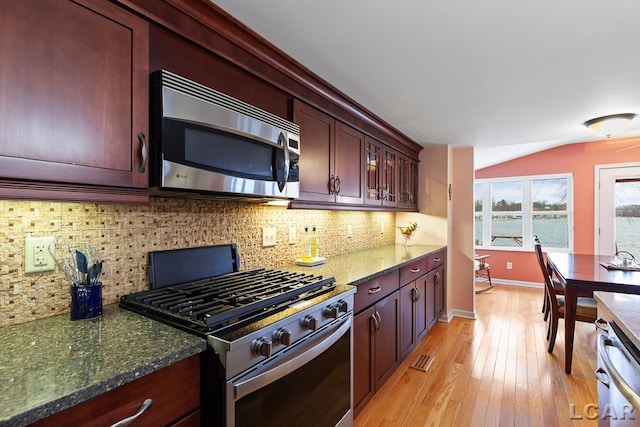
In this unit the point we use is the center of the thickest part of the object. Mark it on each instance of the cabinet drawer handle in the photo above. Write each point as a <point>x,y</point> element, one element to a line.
<point>143,408</point>
<point>332,185</point>
<point>436,260</point>
<point>144,152</point>
<point>374,290</point>
<point>415,294</point>
<point>415,270</point>
<point>374,325</point>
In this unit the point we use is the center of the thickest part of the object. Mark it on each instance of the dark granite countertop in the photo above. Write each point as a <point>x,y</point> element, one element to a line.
<point>51,364</point>
<point>358,267</point>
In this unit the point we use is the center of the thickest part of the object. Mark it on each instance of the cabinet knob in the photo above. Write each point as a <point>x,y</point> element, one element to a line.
<point>336,185</point>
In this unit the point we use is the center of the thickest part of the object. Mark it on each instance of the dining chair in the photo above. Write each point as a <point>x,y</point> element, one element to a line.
<point>585,308</point>
<point>557,286</point>
<point>483,271</point>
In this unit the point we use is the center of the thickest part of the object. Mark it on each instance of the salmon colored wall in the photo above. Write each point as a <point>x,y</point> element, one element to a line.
<point>580,160</point>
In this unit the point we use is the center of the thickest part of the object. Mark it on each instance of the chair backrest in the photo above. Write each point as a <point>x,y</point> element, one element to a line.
<point>550,291</point>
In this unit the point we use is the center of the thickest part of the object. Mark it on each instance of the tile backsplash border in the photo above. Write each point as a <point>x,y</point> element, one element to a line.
<point>123,234</point>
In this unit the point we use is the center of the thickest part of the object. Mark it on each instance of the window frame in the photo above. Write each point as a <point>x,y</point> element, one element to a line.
<point>527,212</point>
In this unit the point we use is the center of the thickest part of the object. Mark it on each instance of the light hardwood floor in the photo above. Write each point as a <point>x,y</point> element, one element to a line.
<point>492,371</point>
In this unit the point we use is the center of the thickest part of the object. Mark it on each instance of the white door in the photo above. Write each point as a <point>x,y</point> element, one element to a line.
<point>617,209</point>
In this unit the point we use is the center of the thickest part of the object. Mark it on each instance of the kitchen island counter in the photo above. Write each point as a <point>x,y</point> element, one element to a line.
<point>51,364</point>
<point>358,267</point>
<point>624,310</point>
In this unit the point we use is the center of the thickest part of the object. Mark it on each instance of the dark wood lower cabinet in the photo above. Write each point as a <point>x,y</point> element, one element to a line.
<point>386,330</point>
<point>363,388</point>
<point>413,315</point>
<point>375,348</point>
<point>435,295</point>
<point>175,391</point>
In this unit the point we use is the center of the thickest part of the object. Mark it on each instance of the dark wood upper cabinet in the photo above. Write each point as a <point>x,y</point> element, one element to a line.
<point>75,88</point>
<point>348,165</point>
<point>331,158</point>
<point>316,145</point>
<point>407,182</point>
<point>381,162</point>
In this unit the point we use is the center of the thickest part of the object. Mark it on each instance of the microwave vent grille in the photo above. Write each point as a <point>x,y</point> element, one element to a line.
<point>220,99</point>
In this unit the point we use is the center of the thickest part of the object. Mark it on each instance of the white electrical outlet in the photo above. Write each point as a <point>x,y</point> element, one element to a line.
<point>292,234</point>
<point>382,228</point>
<point>36,255</point>
<point>509,266</point>
<point>268,236</point>
<point>349,231</point>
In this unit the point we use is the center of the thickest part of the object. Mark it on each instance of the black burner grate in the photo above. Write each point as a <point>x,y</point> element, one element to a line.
<point>209,304</point>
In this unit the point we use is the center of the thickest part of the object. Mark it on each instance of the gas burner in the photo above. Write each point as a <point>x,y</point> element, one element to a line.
<point>207,305</point>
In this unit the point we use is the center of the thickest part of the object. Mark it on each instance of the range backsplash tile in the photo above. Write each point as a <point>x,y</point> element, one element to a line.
<point>124,234</point>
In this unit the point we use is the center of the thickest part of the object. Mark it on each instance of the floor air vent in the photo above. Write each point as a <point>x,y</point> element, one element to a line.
<point>422,363</point>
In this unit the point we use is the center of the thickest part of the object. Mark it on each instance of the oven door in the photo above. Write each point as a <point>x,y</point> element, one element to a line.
<point>619,379</point>
<point>309,383</point>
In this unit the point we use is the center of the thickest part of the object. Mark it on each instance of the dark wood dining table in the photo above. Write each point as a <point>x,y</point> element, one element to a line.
<point>581,275</point>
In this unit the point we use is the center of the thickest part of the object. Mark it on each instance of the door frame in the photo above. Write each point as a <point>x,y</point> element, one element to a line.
<point>597,200</point>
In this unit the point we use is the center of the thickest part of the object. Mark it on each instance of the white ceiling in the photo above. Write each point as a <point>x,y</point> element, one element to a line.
<point>487,74</point>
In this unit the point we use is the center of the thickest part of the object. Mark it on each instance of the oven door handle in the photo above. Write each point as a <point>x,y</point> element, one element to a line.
<point>614,375</point>
<point>313,349</point>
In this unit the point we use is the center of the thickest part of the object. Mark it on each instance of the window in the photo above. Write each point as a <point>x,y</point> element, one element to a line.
<point>509,211</point>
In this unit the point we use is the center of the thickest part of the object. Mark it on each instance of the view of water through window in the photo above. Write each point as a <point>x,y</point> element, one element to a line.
<point>536,206</point>
<point>627,225</point>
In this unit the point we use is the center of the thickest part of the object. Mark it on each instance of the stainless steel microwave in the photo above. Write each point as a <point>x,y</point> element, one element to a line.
<point>205,141</point>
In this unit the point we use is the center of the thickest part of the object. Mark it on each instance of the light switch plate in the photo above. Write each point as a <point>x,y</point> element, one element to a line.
<point>268,236</point>
<point>36,255</point>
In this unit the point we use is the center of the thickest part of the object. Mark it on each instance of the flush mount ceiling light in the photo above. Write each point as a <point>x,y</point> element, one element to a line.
<point>609,125</point>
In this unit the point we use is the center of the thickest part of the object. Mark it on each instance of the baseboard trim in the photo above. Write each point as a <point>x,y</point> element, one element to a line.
<point>458,313</point>
<point>520,283</point>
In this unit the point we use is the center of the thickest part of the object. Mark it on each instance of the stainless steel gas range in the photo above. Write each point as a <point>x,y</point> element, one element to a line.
<point>280,343</point>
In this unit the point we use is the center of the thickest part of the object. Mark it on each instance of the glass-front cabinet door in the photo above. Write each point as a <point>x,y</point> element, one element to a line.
<point>374,169</point>
<point>389,185</point>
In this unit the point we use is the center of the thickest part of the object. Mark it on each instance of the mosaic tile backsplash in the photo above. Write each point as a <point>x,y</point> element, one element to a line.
<point>124,234</point>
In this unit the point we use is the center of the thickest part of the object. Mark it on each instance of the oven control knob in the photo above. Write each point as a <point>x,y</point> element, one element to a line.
<point>331,311</point>
<point>261,347</point>
<point>310,323</point>
<point>282,336</point>
<point>343,307</point>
